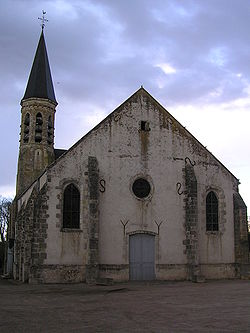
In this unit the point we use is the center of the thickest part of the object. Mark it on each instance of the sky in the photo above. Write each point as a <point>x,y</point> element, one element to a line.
<point>191,55</point>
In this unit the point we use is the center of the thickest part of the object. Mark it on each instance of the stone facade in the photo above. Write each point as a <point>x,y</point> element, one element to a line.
<point>191,223</point>
<point>241,240</point>
<point>92,267</point>
<point>129,200</point>
<point>31,234</point>
<point>139,140</point>
<point>36,150</point>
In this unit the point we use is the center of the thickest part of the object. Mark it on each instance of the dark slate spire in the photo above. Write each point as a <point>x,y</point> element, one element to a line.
<point>40,82</point>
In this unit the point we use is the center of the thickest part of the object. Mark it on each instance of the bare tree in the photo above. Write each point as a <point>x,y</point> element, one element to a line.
<point>4,217</point>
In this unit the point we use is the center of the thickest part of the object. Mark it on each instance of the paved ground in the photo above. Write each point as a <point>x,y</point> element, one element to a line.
<point>215,306</point>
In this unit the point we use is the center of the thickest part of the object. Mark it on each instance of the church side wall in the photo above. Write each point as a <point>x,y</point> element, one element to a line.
<point>241,241</point>
<point>30,236</point>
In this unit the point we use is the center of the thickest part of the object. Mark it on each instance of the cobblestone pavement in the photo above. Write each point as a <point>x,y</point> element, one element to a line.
<point>214,306</point>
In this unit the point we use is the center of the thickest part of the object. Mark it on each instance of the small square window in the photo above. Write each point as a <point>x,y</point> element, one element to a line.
<point>144,126</point>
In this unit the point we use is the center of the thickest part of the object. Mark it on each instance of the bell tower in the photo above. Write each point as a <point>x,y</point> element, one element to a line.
<point>38,107</point>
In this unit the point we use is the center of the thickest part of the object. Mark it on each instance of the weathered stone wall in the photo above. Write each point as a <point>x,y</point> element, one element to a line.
<point>191,224</point>
<point>124,152</point>
<point>57,274</point>
<point>215,244</point>
<point>179,170</point>
<point>40,226</point>
<point>31,233</point>
<point>219,271</point>
<point>92,267</point>
<point>31,245</point>
<point>174,272</point>
<point>34,157</point>
<point>67,249</point>
<point>240,230</point>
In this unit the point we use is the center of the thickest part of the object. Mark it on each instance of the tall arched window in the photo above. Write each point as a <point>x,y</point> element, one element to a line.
<point>39,127</point>
<point>26,128</point>
<point>212,220</point>
<point>71,207</point>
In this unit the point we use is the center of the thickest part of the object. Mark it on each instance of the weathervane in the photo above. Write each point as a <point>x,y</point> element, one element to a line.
<point>43,19</point>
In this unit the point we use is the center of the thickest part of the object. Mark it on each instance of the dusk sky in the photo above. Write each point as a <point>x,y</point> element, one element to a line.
<point>193,56</point>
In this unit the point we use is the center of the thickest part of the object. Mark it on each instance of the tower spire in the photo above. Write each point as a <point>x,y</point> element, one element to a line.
<point>36,150</point>
<point>40,83</point>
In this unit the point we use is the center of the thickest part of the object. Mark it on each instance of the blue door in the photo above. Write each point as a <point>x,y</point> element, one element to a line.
<point>142,257</point>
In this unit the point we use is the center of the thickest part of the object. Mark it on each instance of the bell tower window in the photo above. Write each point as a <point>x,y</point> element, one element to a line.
<point>50,131</point>
<point>26,128</point>
<point>38,128</point>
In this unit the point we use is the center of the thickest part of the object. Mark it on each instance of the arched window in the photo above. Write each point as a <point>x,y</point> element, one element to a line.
<point>71,207</point>
<point>39,127</point>
<point>50,131</point>
<point>26,128</point>
<point>212,221</point>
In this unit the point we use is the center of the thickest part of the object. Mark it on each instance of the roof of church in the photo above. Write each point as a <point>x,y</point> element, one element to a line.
<point>40,83</point>
<point>59,152</point>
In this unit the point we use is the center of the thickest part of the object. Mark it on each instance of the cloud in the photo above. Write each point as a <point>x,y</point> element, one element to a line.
<point>191,52</point>
<point>166,68</point>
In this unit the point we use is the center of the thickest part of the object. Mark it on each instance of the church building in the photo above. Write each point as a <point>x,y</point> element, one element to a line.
<point>136,198</point>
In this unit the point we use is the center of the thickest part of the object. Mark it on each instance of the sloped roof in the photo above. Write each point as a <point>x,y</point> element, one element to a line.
<point>157,104</point>
<point>40,83</point>
<point>59,152</point>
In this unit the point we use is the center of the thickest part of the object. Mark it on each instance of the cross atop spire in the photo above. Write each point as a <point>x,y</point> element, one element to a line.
<point>43,19</point>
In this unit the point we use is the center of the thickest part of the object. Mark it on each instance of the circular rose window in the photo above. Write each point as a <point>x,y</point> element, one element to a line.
<point>141,188</point>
